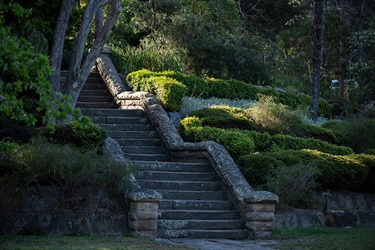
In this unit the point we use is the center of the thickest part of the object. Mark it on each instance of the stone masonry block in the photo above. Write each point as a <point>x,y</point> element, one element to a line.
<point>260,207</point>
<point>144,206</point>
<point>143,225</point>
<point>260,216</point>
<point>143,215</point>
<point>260,226</point>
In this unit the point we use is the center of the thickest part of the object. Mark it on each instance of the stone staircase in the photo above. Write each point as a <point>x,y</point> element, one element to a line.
<point>194,204</point>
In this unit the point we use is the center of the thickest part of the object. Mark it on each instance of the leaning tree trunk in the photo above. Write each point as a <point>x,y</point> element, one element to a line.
<point>318,29</point>
<point>78,74</point>
<point>58,42</point>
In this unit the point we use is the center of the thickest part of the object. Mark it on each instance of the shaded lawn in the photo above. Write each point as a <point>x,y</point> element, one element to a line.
<point>325,238</point>
<point>84,242</point>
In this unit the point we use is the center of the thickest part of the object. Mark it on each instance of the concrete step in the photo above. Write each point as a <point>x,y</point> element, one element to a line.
<point>173,166</point>
<point>100,92</point>
<point>180,185</point>
<point>139,142</point>
<point>183,176</point>
<point>193,195</point>
<point>147,157</point>
<point>95,79</point>
<point>110,120</point>
<point>132,134</point>
<point>144,149</point>
<point>103,98</point>
<point>200,224</point>
<point>94,86</point>
<point>95,105</point>
<point>195,205</point>
<point>127,127</point>
<point>208,234</point>
<point>200,215</point>
<point>113,112</point>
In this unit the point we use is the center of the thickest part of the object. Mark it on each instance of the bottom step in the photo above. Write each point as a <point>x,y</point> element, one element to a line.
<point>222,234</point>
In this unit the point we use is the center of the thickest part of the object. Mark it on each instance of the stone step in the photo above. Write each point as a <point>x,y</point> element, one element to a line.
<point>95,105</point>
<point>147,157</point>
<point>94,86</point>
<point>174,166</point>
<point>200,224</point>
<point>83,98</point>
<point>99,92</point>
<point>144,149</point>
<point>207,234</point>
<point>113,112</point>
<point>183,176</point>
<point>195,205</point>
<point>127,127</point>
<point>132,134</point>
<point>95,79</point>
<point>139,142</point>
<point>110,120</point>
<point>180,185</point>
<point>200,214</point>
<point>192,195</point>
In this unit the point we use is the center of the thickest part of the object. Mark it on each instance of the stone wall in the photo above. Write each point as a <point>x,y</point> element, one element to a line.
<point>51,210</point>
<point>335,209</point>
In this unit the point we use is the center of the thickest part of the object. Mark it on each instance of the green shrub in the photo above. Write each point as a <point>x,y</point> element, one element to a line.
<point>321,133</point>
<point>168,91</point>
<point>256,167</point>
<point>262,141</point>
<point>86,135</point>
<point>336,172</point>
<point>224,117</point>
<point>45,163</point>
<point>243,90</point>
<point>294,184</point>
<point>284,142</point>
<point>370,151</point>
<point>234,141</point>
<point>275,117</point>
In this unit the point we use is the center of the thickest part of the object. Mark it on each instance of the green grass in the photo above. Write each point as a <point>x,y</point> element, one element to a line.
<point>325,238</point>
<point>79,243</point>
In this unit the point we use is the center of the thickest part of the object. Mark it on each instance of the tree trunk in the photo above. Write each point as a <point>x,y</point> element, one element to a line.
<point>80,74</point>
<point>58,42</point>
<point>318,29</point>
<point>80,41</point>
<point>344,50</point>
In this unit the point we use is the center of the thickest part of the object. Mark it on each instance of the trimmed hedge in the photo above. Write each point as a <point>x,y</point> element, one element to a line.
<point>230,89</point>
<point>353,172</point>
<point>224,117</point>
<point>284,142</point>
<point>168,91</point>
<point>263,142</point>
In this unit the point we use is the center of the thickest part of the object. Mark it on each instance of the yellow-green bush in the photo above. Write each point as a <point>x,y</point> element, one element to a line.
<point>336,172</point>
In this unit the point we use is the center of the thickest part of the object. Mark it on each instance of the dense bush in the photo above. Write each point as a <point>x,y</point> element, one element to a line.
<point>168,91</point>
<point>43,163</point>
<point>283,142</point>
<point>86,136</point>
<point>224,117</point>
<point>230,89</point>
<point>336,172</point>
<point>294,184</point>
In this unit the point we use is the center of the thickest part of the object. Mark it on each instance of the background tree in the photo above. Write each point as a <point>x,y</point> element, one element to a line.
<point>318,29</point>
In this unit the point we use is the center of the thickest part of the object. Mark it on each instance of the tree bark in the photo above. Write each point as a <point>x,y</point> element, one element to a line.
<point>80,74</point>
<point>318,29</point>
<point>58,42</point>
<point>344,50</point>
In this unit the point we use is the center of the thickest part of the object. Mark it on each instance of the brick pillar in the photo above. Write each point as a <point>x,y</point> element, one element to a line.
<point>143,213</point>
<point>260,213</point>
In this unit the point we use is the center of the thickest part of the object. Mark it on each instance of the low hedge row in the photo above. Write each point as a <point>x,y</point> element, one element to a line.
<point>168,91</point>
<point>230,89</point>
<point>228,117</point>
<point>349,172</point>
<point>263,142</point>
